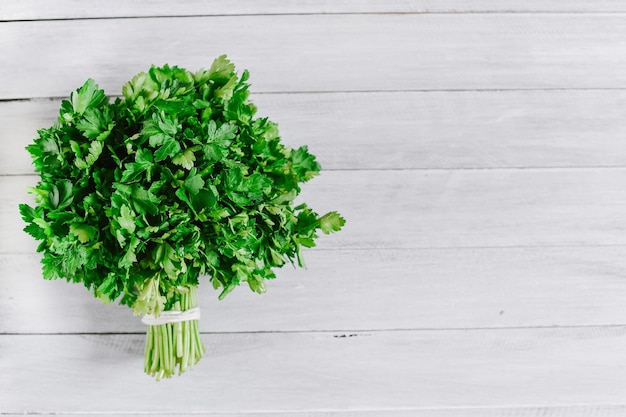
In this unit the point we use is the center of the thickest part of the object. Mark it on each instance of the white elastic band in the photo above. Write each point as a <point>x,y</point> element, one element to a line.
<point>172,316</point>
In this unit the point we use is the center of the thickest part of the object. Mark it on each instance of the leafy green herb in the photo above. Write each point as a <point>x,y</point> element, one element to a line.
<point>141,196</point>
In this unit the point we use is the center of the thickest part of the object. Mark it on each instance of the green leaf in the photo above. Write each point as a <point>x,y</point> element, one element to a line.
<point>221,136</point>
<point>160,129</point>
<point>165,256</point>
<point>51,266</point>
<point>220,72</point>
<point>95,123</point>
<point>331,222</point>
<point>35,231</point>
<point>108,290</point>
<point>127,219</point>
<point>74,257</point>
<point>204,200</point>
<point>27,212</point>
<point>144,201</point>
<point>44,226</point>
<point>121,239</point>
<point>185,159</point>
<point>33,217</point>
<point>144,157</point>
<point>130,256</point>
<point>304,164</point>
<point>94,152</point>
<point>143,163</point>
<point>66,194</point>
<point>182,195</point>
<point>53,197</point>
<point>227,290</point>
<point>140,92</point>
<point>234,178</point>
<point>193,184</point>
<point>150,300</point>
<point>226,91</point>
<point>258,286</point>
<point>49,145</point>
<point>83,232</point>
<point>168,126</point>
<point>169,148</point>
<point>287,197</point>
<point>87,96</point>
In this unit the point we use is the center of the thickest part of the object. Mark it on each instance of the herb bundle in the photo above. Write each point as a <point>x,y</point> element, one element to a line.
<point>142,196</point>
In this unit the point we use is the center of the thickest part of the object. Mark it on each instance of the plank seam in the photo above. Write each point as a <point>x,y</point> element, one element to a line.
<point>347,92</point>
<point>437,169</point>
<point>420,248</point>
<point>381,13</point>
<point>424,248</point>
<point>348,333</point>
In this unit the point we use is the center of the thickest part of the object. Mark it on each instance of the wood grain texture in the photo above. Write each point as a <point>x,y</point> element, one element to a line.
<point>310,53</point>
<point>348,290</point>
<point>320,371</point>
<point>476,149</point>
<point>77,9</point>
<point>435,209</point>
<point>598,410</point>
<point>550,411</point>
<point>484,129</point>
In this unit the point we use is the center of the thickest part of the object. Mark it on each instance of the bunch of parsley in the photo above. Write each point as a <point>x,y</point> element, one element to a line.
<point>142,196</point>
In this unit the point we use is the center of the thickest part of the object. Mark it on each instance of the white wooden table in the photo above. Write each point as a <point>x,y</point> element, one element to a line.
<point>477,150</point>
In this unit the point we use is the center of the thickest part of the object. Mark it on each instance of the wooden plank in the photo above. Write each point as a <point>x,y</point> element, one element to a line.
<point>598,410</point>
<point>76,9</point>
<point>324,52</point>
<point>360,290</point>
<point>436,208</point>
<point>504,129</point>
<point>289,372</point>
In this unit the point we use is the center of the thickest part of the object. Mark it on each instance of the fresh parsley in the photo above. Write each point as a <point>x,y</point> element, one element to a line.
<point>143,196</point>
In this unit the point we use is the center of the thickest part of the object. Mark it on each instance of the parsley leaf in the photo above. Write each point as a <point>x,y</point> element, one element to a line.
<point>87,96</point>
<point>143,163</point>
<point>185,159</point>
<point>127,219</point>
<point>331,222</point>
<point>193,183</point>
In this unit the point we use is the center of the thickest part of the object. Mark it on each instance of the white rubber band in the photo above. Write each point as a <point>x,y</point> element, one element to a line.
<point>172,316</point>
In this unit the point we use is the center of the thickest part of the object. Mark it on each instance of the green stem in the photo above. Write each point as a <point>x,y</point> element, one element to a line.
<point>173,346</point>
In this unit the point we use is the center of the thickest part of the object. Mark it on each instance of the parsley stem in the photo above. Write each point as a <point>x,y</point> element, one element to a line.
<point>174,345</point>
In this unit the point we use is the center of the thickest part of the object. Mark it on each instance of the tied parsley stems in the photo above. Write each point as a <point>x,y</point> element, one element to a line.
<point>174,183</point>
<point>174,346</point>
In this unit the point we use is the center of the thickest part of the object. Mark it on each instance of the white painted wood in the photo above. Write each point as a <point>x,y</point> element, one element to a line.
<point>531,259</point>
<point>410,130</point>
<point>435,208</point>
<point>292,372</point>
<point>324,52</point>
<point>73,9</point>
<point>360,290</point>
<point>550,411</point>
